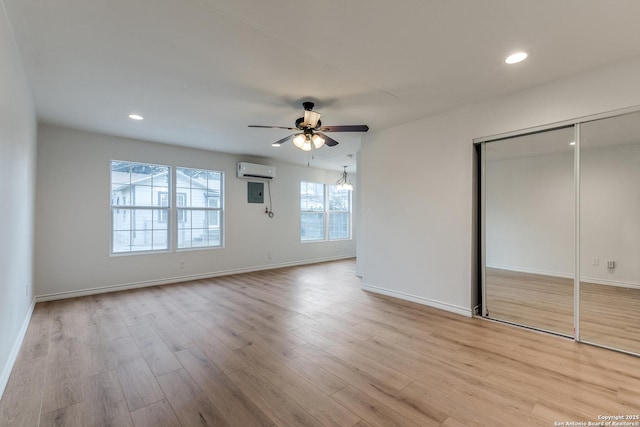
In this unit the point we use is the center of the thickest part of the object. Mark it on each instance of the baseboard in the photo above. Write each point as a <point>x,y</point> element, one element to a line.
<point>178,279</point>
<point>420,300</point>
<point>13,356</point>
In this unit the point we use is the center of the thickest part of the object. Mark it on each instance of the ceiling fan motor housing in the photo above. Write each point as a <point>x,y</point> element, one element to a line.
<point>300,123</point>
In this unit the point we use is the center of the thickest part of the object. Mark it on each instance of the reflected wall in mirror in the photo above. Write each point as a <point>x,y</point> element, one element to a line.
<point>529,230</point>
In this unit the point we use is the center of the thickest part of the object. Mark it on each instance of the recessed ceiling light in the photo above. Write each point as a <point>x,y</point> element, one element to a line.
<point>572,143</point>
<point>516,57</point>
<point>135,117</point>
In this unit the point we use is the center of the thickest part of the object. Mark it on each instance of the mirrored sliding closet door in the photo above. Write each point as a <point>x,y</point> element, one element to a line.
<point>529,230</point>
<point>610,232</point>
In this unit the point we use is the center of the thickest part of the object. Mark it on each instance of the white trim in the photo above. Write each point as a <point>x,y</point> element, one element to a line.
<point>178,279</point>
<point>420,300</point>
<point>591,280</point>
<point>561,124</point>
<point>13,356</point>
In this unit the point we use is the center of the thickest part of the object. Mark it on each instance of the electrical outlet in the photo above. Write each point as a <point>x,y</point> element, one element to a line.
<point>595,261</point>
<point>181,263</point>
<point>611,265</point>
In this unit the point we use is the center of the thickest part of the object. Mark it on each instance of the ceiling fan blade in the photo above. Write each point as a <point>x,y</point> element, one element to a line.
<point>345,128</point>
<point>328,140</point>
<point>272,127</point>
<point>282,141</point>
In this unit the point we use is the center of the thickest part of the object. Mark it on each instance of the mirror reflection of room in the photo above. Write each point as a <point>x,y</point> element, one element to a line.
<point>610,232</point>
<point>529,199</point>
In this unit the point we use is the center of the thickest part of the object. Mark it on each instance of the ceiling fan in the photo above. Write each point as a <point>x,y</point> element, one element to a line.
<point>311,132</point>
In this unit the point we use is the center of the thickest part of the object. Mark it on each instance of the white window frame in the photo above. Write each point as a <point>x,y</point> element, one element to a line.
<point>121,209</point>
<point>326,212</point>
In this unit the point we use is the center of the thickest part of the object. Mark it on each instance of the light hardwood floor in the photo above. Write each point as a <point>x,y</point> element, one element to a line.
<point>300,346</point>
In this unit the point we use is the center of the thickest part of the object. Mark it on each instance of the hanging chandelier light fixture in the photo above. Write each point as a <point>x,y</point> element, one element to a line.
<point>344,183</point>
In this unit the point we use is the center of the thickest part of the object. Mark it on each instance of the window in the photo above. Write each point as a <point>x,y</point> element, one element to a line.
<point>199,210</point>
<point>325,212</point>
<point>339,213</point>
<point>137,207</point>
<point>312,212</point>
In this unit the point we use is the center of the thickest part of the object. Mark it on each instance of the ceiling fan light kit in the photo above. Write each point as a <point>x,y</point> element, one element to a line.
<point>310,127</point>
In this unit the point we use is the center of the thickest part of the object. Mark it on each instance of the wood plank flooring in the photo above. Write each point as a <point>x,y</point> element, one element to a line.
<point>301,346</point>
<point>609,315</point>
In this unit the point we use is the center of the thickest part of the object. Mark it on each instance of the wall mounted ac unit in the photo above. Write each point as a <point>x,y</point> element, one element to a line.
<point>252,170</point>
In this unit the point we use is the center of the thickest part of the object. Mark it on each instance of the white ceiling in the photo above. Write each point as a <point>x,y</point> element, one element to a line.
<point>200,71</point>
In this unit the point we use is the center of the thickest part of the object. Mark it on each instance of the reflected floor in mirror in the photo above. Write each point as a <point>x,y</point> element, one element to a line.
<point>609,315</point>
<point>535,300</point>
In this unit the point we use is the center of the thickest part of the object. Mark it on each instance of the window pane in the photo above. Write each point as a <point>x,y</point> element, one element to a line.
<point>121,219</point>
<point>198,219</point>
<point>312,226</point>
<point>139,186</point>
<point>198,196</point>
<point>214,236</point>
<point>311,196</point>
<point>213,219</point>
<point>121,241</point>
<point>160,239</point>
<point>160,176</point>
<point>141,240</point>
<point>201,214</point>
<point>158,215</point>
<point>199,237</point>
<point>339,225</point>
<point>120,195</point>
<point>184,218</point>
<point>214,181</point>
<point>184,238</point>
<point>183,180</point>
<point>142,219</point>
<point>339,200</point>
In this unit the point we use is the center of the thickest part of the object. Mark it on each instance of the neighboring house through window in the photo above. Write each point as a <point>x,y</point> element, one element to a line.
<point>200,211</point>
<point>138,186</point>
<point>141,218</point>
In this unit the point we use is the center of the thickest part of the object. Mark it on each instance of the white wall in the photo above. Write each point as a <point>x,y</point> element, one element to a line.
<point>72,221</point>
<point>418,213</point>
<point>17,181</point>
